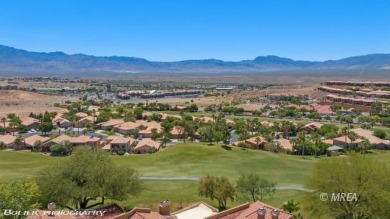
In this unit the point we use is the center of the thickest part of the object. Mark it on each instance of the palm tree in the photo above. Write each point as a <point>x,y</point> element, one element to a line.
<point>364,146</point>
<point>316,138</point>
<point>301,138</point>
<point>344,131</point>
<point>352,136</point>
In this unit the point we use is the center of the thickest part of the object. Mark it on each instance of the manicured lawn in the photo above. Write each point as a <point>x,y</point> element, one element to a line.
<point>189,160</point>
<point>18,165</point>
<point>186,193</point>
<point>199,159</point>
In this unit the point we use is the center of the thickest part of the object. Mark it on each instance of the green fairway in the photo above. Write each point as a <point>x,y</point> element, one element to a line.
<point>186,193</point>
<point>189,160</point>
<point>199,159</point>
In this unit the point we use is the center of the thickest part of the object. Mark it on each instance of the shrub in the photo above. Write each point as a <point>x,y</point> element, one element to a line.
<point>380,133</point>
<point>121,152</point>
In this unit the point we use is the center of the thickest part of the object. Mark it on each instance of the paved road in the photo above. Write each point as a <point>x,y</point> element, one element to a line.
<point>186,178</point>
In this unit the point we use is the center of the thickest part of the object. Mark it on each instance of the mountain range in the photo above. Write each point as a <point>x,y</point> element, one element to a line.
<point>18,61</point>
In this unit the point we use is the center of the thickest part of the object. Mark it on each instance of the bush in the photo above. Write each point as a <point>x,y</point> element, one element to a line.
<point>121,152</point>
<point>59,150</point>
<point>380,133</point>
<point>243,145</point>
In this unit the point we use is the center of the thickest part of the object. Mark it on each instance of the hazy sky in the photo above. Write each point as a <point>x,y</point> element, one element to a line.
<point>167,30</point>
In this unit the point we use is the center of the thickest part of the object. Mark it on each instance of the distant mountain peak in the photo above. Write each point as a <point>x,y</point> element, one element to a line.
<point>19,60</point>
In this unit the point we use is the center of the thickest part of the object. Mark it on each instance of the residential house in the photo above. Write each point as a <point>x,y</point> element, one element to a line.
<point>126,128</point>
<point>345,142</point>
<point>30,123</point>
<point>31,141</point>
<point>198,210</point>
<point>58,140</point>
<point>121,143</point>
<point>147,133</point>
<point>256,210</point>
<point>285,144</point>
<point>146,145</point>
<point>8,140</point>
<point>201,210</point>
<point>176,132</point>
<point>81,115</point>
<point>312,127</point>
<point>256,143</point>
<point>110,123</point>
<point>60,122</point>
<point>85,121</point>
<point>366,134</point>
<point>323,109</point>
<point>85,140</point>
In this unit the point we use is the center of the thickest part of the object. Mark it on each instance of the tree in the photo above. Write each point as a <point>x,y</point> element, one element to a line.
<point>316,139</point>
<point>352,136</point>
<point>250,187</point>
<point>364,146</point>
<point>62,149</point>
<point>376,108</point>
<point>37,146</point>
<point>19,196</point>
<point>18,141</point>
<point>290,206</point>
<point>192,108</point>
<point>301,138</point>
<point>45,127</point>
<point>88,176</point>
<point>138,111</point>
<point>380,133</point>
<point>365,177</point>
<point>2,145</point>
<point>219,188</point>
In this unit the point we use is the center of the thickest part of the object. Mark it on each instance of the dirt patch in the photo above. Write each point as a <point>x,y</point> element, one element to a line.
<point>22,102</point>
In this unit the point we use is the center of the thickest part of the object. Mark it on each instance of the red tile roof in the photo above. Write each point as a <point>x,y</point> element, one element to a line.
<point>249,211</point>
<point>7,139</point>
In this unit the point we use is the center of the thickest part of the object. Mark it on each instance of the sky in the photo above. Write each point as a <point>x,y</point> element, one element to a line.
<point>172,30</point>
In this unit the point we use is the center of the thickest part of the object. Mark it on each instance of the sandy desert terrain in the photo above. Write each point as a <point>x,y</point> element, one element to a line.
<point>22,102</point>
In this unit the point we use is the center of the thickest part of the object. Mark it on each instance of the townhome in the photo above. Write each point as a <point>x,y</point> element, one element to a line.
<point>146,145</point>
<point>8,140</point>
<point>30,123</point>
<point>110,123</point>
<point>126,128</point>
<point>31,141</point>
<point>85,140</point>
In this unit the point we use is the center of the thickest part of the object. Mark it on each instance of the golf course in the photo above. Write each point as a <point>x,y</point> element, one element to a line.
<point>172,173</point>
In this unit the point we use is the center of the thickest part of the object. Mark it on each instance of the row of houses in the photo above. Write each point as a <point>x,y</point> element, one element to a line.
<point>258,142</point>
<point>29,122</point>
<point>359,83</point>
<point>112,143</point>
<point>363,92</point>
<point>353,101</point>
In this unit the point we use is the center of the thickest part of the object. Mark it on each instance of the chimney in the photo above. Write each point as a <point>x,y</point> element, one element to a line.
<point>275,214</point>
<point>261,213</point>
<point>164,207</point>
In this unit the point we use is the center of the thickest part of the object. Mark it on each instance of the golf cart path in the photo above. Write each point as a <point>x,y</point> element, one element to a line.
<point>187,178</point>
